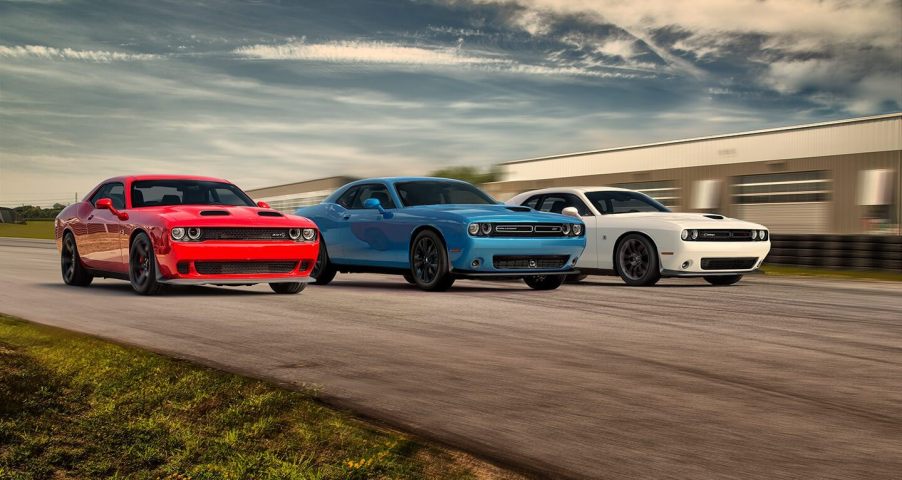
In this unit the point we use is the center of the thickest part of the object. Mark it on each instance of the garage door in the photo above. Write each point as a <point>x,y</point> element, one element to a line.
<point>808,217</point>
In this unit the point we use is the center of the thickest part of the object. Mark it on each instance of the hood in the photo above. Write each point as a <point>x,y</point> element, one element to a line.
<point>224,216</point>
<point>497,213</point>
<point>691,220</point>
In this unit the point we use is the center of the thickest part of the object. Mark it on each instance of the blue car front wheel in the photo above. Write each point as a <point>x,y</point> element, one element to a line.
<point>429,266</point>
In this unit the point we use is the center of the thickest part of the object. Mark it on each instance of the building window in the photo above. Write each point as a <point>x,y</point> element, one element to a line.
<point>666,192</point>
<point>794,187</point>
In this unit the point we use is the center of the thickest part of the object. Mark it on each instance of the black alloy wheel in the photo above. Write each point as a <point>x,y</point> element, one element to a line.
<point>429,262</point>
<point>323,270</point>
<point>544,282</point>
<point>723,280</point>
<point>74,273</point>
<point>637,261</point>
<point>142,266</point>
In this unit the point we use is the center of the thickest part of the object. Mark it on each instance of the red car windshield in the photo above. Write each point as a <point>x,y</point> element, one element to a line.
<point>154,193</point>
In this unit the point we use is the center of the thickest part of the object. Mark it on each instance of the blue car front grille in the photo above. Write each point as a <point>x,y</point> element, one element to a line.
<point>529,262</point>
<point>527,230</point>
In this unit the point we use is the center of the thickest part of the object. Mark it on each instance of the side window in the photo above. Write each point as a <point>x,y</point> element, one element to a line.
<point>347,198</point>
<point>116,193</point>
<point>101,193</point>
<point>374,190</point>
<point>532,202</point>
<point>556,203</point>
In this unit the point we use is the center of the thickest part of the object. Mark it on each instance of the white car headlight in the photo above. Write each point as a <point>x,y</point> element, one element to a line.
<point>178,233</point>
<point>473,229</point>
<point>763,234</point>
<point>684,234</point>
<point>565,229</point>
<point>194,233</point>
<point>294,233</point>
<point>693,234</point>
<point>754,234</point>
<point>486,228</point>
<point>577,229</point>
<point>309,234</point>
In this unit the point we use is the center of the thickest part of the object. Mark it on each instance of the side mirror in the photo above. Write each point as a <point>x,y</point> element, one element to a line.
<point>373,203</point>
<point>263,204</point>
<point>570,212</point>
<point>107,204</point>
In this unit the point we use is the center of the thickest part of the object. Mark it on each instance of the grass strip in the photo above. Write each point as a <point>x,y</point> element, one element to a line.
<point>778,270</point>
<point>32,229</point>
<point>73,406</point>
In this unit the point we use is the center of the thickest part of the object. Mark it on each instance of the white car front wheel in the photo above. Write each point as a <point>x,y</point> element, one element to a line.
<point>636,260</point>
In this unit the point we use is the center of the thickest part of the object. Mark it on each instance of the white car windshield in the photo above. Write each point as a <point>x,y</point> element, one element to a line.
<point>614,201</point>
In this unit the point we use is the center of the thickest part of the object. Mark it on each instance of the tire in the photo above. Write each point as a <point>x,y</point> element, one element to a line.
<point>576,278</point>
<point>429,266</point>
<point>74,272</point>
<point>544,282</point>
<point>636,261</point>
<point>409,278</point>
<point>288,288</point>
<point>723,280</point>
<point>323,271</point>
<point>142,266</point>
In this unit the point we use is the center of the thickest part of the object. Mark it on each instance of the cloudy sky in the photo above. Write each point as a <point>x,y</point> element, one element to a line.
<point>272,91</point>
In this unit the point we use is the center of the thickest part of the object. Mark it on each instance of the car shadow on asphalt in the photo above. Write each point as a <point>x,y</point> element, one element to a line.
<point>461,285</point>
<point>616,283</point>
<point>172,291</point>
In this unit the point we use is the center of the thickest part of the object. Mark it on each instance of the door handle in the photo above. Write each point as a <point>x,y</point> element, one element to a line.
<point>346,217</point>
<point>90,216</point>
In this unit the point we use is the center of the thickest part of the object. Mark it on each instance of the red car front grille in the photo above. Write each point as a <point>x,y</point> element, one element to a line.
<point>245,234</point>
<point>241,268</point>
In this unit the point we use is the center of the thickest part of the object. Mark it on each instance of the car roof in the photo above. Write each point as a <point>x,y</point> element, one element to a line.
<point>402,179</point>
<point>135,178</point>
<point>574,190</point>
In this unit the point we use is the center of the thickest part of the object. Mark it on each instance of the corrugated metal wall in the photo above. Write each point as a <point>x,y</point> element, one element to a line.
<point>877,134</point>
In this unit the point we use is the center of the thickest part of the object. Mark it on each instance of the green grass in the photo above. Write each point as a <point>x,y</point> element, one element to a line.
<point>77,407</point>
<point>832,273</point>
<point>32,229</point>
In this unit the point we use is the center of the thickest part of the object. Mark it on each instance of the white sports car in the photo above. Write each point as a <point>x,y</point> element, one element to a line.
<point>632,235</point>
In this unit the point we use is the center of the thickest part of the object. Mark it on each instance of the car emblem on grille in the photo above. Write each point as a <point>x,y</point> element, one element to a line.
<point>533,264</point>
<point>278,235</point>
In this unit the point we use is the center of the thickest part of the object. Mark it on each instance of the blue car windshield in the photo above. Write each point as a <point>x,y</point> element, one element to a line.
<point>441,192</point>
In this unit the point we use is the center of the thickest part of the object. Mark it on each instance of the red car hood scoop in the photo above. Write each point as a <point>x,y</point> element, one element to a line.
<point>214,213</point>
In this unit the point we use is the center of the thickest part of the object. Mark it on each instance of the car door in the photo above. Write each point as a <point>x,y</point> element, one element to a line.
<point>556,203</point>
<point>372,241</point>
<point>101,246</point>
<point>336,227</point>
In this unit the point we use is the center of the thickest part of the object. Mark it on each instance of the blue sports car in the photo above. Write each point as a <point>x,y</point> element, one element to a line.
<point>435,230</point>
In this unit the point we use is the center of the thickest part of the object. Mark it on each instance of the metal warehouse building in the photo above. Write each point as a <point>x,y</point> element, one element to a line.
<point>834,177</point>
<point>837,177</point>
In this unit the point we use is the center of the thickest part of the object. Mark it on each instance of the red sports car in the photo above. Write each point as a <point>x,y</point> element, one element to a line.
<point>179,230</point>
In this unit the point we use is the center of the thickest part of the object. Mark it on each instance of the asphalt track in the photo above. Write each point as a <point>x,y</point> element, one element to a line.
<point>772,378</point>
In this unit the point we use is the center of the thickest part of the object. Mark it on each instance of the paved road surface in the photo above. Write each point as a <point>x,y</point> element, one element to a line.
<point>772,378</point>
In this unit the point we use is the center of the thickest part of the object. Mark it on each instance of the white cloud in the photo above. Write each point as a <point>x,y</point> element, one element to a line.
<point>364,52</point>
<point>874,21</point>
<point>51,53</point>
<point>835,84</point>
<point>400,55</point>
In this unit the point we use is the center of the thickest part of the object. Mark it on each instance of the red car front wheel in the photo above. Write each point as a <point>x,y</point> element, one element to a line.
<point>142,266</point>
